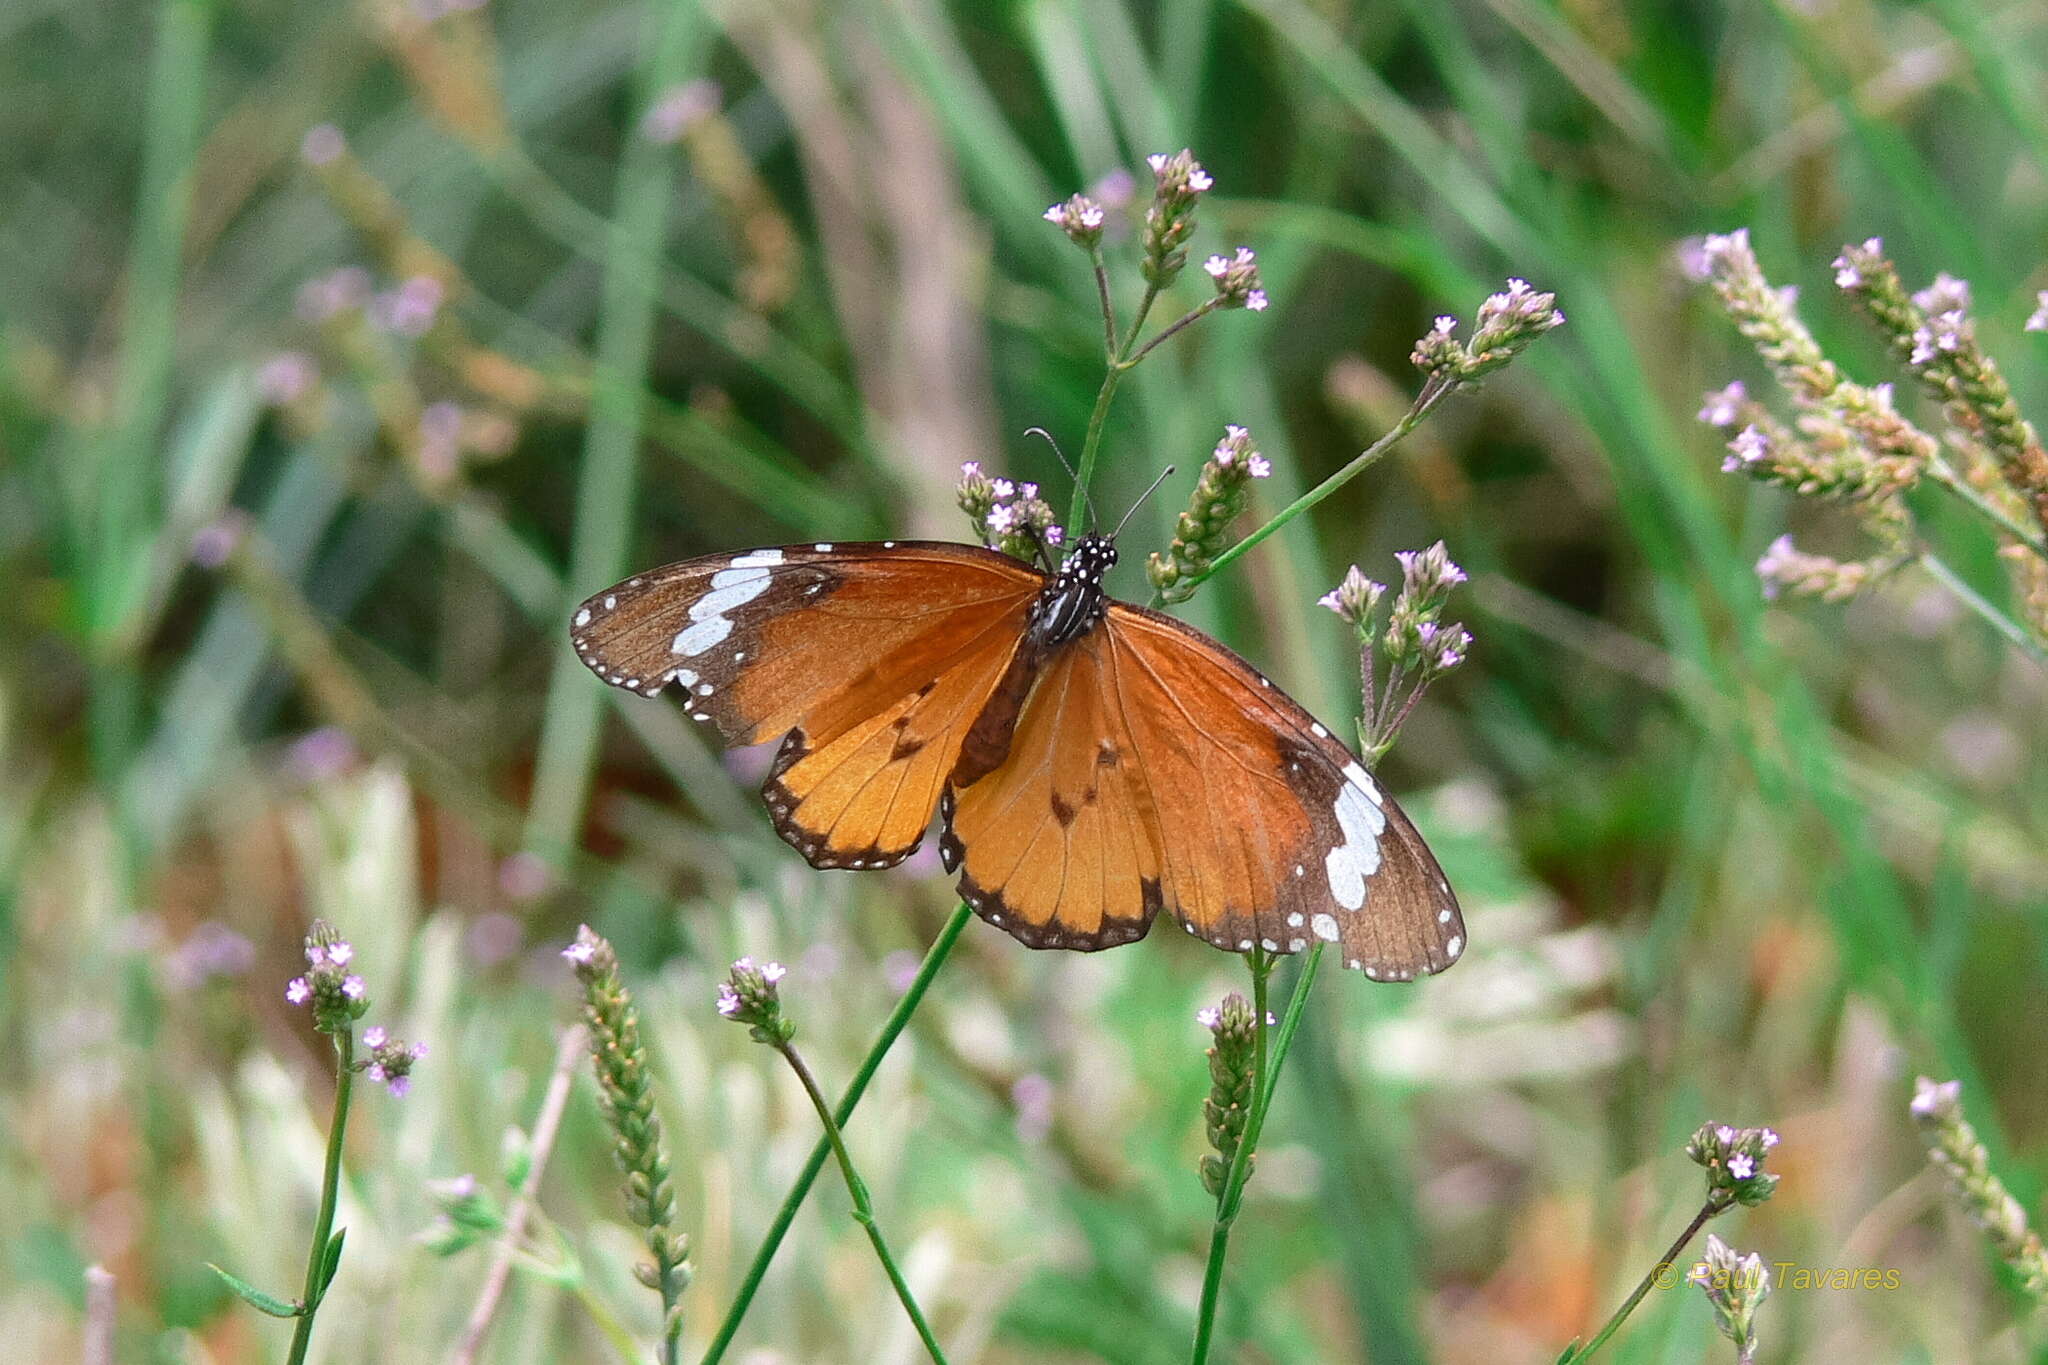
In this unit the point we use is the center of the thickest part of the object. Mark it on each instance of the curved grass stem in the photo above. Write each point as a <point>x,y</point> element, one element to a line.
<point>1120,359</point>
<point>1265,1082</point>
<point>330,1190</point>
<point>1425,402</point>
<point>863,1206</point>
<point>2015,633</point>
<point>899,1018</point>
<point>1649,1281</point>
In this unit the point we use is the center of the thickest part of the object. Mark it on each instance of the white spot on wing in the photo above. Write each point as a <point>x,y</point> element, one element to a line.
<point>583,617</point>
<point>822,548</point>
<point>701,635</point>
<point>1325,927</point>
<point>757,559</point>
<point>610,602</point>
<point>1456,945</point>
<point>730,588</point>
<point>1318,731</point>
<point>1358,857</point>
<point>1294,920</point>
<point>1443,917</point>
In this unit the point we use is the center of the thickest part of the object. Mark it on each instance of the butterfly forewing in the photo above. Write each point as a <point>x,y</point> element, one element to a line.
<point>873,659</point>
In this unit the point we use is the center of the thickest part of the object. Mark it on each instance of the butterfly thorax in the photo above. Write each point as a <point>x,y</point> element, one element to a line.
<point>1070,605</point>
<point>1073,603</point>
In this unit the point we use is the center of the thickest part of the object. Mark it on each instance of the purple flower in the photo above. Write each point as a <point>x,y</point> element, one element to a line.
<point>1723,407</point>
<point>322,145</point>
<point>1237,280</point>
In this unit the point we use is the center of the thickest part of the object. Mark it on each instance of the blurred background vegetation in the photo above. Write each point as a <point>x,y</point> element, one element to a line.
<point>343,347</point>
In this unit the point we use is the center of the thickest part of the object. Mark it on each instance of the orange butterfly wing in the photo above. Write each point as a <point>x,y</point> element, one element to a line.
<point>1061,845</point>
<point>874,659</point>
<point>1154,769</point>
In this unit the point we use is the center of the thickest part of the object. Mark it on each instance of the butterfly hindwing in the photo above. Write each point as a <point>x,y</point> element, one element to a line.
<point>1060,846</point>
<point>872,659</point>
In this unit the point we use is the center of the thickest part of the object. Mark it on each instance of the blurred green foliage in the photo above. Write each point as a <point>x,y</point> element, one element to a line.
<point>289,570</point>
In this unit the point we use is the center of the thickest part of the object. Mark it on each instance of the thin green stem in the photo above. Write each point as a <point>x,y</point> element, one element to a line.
<point>1108,308</point>
<point>1188,319</point>
<point>1091,445</point>
<point>1085,474</point>
<point>934,959</point>
<point>607,1322</point>
<point>2012,630</point>
<point>1425,403</point>
<point>1265,1082</point>
<point>863,1206</point>
<point>1708,1210</point>
<point>330,1190</point>
<point>1947,477</point>
<point>1261,963</point>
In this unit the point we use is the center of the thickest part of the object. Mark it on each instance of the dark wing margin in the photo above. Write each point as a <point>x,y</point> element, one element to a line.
<point>1273,832</point>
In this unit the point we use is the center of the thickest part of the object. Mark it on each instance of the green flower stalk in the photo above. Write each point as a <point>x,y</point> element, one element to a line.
<point>1081,218</point>
<point>1931,332</point>
<point>1734,1162</point>
<point>1506,324</point>
<point>337,998</point>
<point>1232,1074</point>
<point>1008,516</point>
<point>751,995</point>
<point>1736,1285</point>
<point>1954,1147</point>
<point>1417,644</point>
<point>625,1094</point>
<point>1178,181</point>
<point>1733,1159</point>
<point>1849,443</point>
<point>1218,499</point>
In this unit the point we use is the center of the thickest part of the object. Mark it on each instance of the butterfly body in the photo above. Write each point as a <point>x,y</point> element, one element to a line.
<point>1092,762</point>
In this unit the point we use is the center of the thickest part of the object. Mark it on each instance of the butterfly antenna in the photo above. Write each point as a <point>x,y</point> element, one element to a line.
<point>1164,475</point>
<point>1094,518</point>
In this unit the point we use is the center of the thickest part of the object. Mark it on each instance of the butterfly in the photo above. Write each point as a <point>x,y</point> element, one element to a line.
<point>1093,763</point>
